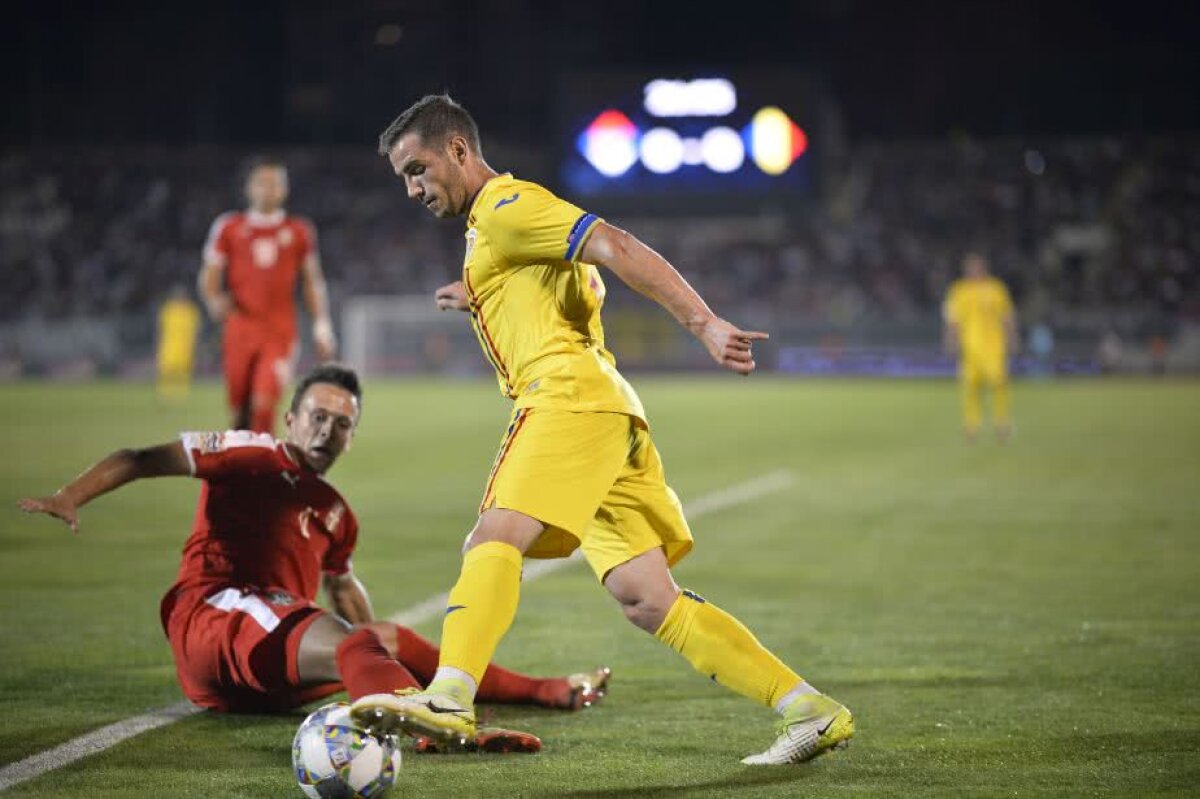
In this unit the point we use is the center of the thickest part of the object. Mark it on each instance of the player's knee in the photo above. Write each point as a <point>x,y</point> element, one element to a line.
<point>506,527</point>
<point>647,610</point>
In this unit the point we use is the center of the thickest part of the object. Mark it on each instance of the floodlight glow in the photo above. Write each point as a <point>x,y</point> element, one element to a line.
<point>610,143</point>
<point>662,150</point>
<point>722,150</point>
<point>775,140</point>
<point>707,97</point>
<point>693,154</point>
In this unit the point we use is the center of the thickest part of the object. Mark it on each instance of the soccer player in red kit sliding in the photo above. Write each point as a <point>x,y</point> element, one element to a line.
<point>243,627</point>
<point>248,283</point>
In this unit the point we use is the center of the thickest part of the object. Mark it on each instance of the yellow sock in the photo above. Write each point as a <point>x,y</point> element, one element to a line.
<point>481,607</point>
<point>722,649</point>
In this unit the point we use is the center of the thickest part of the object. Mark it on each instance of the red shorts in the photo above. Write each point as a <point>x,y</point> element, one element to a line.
<point>256,366</point>
<point>236,649</point>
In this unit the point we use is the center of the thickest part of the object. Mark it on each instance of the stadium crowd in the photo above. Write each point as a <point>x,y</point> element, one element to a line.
<point>1086,227</point>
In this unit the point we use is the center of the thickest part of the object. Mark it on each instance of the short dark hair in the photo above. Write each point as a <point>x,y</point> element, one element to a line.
<point>257,162</point>
<point>435,118</point>
<point>335,375</point>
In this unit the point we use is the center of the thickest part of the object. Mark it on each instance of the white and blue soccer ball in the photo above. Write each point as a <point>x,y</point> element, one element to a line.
<point>334,758</point>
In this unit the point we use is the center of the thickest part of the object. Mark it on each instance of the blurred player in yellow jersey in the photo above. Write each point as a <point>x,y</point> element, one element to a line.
<point>178,324</point>
<point>577,467</point>
<point>980,326</point>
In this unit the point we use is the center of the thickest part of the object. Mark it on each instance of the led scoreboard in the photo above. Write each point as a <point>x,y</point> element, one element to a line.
<point>694,136</point>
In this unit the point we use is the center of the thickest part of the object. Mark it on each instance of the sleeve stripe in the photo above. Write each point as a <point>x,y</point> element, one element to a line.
<point>211,253</point>
<point>188,440</point>
<point>579,233</point>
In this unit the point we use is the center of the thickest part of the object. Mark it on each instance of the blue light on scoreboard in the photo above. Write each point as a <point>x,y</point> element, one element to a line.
<point>685,134</point>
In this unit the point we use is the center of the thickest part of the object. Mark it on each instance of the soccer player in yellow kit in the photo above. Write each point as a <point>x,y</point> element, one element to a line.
<point>178,324</point>
<point>577,466</point>
<point>980,327</point>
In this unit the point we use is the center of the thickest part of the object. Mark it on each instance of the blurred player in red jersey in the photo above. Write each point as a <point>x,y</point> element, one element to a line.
<point>243,627</point>
<point>248,283</point>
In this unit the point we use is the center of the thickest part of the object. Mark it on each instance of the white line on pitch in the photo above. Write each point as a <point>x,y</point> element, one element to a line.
<point>107,737</point>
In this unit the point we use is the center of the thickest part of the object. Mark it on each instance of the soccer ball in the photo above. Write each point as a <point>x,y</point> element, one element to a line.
<point>334,758</point>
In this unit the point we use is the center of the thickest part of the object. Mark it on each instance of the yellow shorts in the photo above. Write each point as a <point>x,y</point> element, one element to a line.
<point>595,480</point>
<point>174,362</point>
<point>989,369</point>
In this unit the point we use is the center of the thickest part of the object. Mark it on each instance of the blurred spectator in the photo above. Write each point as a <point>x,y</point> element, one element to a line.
<point>1092,232</point>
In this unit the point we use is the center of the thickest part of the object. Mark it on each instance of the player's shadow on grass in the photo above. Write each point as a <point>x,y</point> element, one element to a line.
<point>743,779</point>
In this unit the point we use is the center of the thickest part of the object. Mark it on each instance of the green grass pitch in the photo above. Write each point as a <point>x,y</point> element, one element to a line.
<point>1019,620</point>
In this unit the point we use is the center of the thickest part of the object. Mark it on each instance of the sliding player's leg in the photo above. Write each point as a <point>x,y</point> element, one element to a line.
<point>479,611</point>
<point>499,685</point>
<point>553,470</point>
<point>330,650</point>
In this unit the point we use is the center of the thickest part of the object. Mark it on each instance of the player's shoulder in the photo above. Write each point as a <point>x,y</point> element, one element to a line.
<point>229,219</point>
<point>505,197</point>
<point>300,222</point>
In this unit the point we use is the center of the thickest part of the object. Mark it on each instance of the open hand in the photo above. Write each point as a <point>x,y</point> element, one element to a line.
<point>57,505</point>
<point>452,297</point>
<point>730,346</point>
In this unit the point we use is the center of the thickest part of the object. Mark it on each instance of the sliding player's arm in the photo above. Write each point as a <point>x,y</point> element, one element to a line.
<point>347,597</point>
<point>121,467</point>
<point>651,275</point>
<point>316,297</point>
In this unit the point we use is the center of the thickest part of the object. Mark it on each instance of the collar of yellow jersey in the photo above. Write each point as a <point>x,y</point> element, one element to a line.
<point>478,194</point>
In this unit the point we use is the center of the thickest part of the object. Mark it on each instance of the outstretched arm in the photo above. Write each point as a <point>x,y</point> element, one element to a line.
<point>651,275</point>
<point>348,597</point>
<point>121,467</point>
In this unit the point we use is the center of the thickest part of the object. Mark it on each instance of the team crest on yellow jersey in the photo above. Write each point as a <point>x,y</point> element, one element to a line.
<point>470,247</point>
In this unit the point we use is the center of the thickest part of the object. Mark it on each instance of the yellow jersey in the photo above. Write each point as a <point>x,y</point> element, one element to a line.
<point>534,306</point>
<point>979,309</point>
<point>178,323</point>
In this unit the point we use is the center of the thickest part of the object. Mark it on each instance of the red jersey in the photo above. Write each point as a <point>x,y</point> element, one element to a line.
<point>262,255</point>
<point>264,520</point>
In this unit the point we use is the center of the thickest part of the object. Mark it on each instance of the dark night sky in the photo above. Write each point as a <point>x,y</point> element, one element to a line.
<point>272,71</point>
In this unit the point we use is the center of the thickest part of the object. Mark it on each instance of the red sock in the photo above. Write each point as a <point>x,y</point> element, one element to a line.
<point>420,655</point>
<point>367,668</point>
